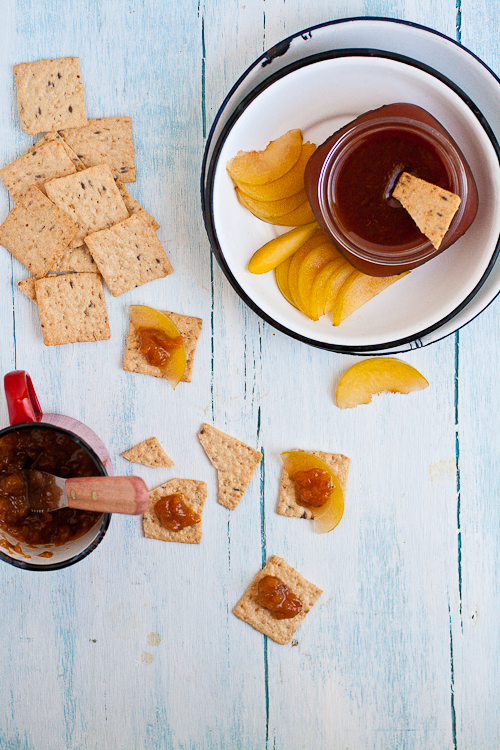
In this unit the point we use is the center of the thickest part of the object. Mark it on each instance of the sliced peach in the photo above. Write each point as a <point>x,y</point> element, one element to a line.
<point>377,375</point>
<point>273,253</point>
<point>281,274</point>
<point>328,515</point>
<point>291,182</point>
<point>147,318</point>
<point>312,264</point>
<point>317,239</point>
<point>317,296</point>
<point>271,210</point>
<point>335,283</point>
<point>261,167</point>
<point>302,215</point>
<point>356,291</point>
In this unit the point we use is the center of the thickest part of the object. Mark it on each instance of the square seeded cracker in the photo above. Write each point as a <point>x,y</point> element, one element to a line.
<point>72,308</point>
<point>194,495</point>
<point>287,504</point>
<point>36,167</point>
<point>432,208</point>
<point>36,232</point>
<point>89,198</point>
<point>54,136</point>
<point>249,610</point>
<point>148,453</point>
<point>108,139</point>
<point>133,207</point>
<point>189,328</point>
<point>128,254</point>
<point>235,463</point>
<point>50,95</point>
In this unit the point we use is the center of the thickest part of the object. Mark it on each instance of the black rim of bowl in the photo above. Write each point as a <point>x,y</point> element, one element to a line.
<point>106,518</point>
<point>209,167</point>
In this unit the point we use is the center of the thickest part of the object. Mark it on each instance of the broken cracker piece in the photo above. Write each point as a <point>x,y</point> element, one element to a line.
<point>128,255</point>
<point>36,232</point>
<point>189,328</point>
<point>72,308</point>
<point>194,494</point>
<point>432,208</point>
<point>148,453</point>
<point>249,610</point>
<point>288,505</point>
<point>133,207</point>
<point>36,167</point>
<point>50,95</point>
<point>89,198</point>
<point>27,287</point>
<point>107,139</point>
<point>76,259</point>
<point>235,463</point>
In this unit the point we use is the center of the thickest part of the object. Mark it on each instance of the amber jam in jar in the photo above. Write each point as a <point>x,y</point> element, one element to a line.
<point>47,450</point>
<point>350,178</point>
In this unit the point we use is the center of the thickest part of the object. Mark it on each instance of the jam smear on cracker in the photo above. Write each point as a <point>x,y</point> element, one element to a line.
<point>174,514</point>
<point>275,596</point>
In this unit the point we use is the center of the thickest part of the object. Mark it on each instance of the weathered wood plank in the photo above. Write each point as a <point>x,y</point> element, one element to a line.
<point>401,649</point>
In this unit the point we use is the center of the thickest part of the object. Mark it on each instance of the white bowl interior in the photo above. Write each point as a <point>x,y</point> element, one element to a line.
<point>319,98</point>
<point>58,553</point>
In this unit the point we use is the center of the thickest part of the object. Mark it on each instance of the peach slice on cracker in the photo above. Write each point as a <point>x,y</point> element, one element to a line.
<point>316,487</point>
<point>160,341</point>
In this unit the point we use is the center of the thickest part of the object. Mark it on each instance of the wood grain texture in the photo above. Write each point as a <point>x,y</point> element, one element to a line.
<point>402,649</point>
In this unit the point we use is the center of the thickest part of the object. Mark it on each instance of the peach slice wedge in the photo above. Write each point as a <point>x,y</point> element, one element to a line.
<point>273,253</point>
<point>292,182</point>
<point>312,264</point>
<point>377,375</point>
<point>317,296</point>
<point>318,238</point>
<point>271,210</point>
<point>262,167</point>
<point>328,515</point>
<point>356,290</point>
<point>158,335</point>
<point>281,275</point>
<point>302,215</point>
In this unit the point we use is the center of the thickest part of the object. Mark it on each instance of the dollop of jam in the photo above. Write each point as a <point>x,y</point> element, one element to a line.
<point>313,487</point>
<point>275,596</point>
<point>47,450</point>
<point>156,346</point>
<point>174,514</point>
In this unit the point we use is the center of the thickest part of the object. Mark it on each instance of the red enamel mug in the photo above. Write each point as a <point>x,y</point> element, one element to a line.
<point>58,445</point>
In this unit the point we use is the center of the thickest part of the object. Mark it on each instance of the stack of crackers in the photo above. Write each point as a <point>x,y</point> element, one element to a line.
<point>74,222</point>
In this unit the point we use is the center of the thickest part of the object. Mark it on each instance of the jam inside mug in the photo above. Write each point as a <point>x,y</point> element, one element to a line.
<point>58,445</point>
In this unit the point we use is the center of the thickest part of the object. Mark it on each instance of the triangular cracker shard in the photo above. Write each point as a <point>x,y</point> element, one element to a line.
<point>148,453</point>
<point>432,208</point>
<point>235,463</point>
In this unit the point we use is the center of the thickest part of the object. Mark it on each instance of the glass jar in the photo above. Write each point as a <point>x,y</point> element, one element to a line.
<point>372,230</point>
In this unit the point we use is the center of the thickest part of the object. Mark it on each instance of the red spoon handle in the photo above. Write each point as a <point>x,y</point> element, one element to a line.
<point>108,494</point>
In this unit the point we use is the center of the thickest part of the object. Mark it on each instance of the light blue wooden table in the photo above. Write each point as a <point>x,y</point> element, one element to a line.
<point>136,647</point>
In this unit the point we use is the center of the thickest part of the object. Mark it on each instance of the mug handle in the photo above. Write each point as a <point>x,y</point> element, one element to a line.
<point>22,401</point>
